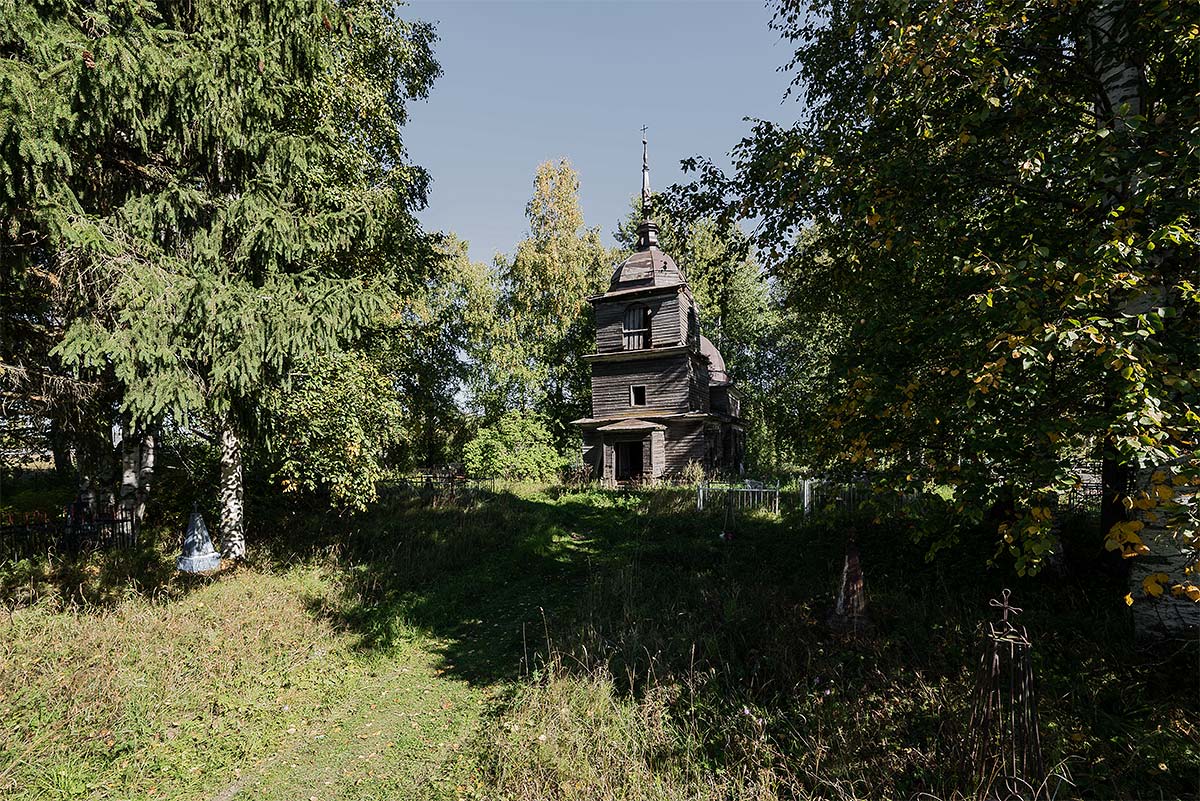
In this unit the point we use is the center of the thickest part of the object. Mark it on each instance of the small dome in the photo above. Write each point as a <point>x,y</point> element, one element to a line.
<point>646,268</point>
<point>716,363</point>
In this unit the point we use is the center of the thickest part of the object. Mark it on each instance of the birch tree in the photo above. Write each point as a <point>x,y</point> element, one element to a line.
<point>544,318</point>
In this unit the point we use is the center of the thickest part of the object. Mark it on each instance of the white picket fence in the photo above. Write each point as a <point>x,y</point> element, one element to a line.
<point>812,495</point>
<point>819,495</point>
<point>740,498</point>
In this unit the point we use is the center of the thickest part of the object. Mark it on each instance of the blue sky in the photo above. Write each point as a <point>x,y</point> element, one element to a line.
<point>529,81</point>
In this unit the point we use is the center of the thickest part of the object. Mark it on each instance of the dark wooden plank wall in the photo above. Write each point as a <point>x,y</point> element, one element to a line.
<point>718,398</point>
<point>666,380</point>
<point>608,326</point>
<point>591,451</point>
<point>658,450</point>
<point>667,326</point>
<point>685,443</point>
<point>698,384</point>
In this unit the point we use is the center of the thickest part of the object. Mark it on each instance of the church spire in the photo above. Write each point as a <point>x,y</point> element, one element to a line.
<point>645,178</point>
<point>647,231</point>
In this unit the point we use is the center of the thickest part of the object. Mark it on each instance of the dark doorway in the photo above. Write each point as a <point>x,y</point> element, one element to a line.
<point>629,460</point>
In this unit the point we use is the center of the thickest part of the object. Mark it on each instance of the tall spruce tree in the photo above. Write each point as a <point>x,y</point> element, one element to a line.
<point>219,188</point>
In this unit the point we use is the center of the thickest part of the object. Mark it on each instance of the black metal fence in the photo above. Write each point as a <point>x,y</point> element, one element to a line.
<point>78,529</point>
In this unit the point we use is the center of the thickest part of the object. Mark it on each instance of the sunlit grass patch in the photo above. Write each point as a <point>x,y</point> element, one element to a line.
<point>571,736</point>
<point>163,696</point>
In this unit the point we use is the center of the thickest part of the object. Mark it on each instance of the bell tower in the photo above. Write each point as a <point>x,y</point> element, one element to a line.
<point>651,408</point>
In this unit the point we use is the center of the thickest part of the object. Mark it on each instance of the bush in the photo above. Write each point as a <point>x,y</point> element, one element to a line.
<point>329,433</point>
<point>693,473</point>
<point>518,447</point>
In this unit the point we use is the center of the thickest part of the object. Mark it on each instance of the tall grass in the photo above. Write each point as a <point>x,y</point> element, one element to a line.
<point>152,696</point>
<point>720,655</point>
<point>637,656</point>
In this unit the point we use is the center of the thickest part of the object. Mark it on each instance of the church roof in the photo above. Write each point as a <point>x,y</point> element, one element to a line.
<point>648,267</point>
<point>632,425</point>
<point>717,373</point>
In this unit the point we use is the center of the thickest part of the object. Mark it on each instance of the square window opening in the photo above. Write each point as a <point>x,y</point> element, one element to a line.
<point>637,395</point>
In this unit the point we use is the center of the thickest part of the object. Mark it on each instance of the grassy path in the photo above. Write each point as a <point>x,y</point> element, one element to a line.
<point>405,732</point>
<point>309,681</point>
<point>395,667</point>
<point>236,691</point>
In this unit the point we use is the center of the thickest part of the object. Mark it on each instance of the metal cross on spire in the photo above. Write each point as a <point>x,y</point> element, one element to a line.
<point>645,178</point>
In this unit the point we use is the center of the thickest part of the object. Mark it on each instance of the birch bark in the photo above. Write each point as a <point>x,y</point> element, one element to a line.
<point>232,526</point>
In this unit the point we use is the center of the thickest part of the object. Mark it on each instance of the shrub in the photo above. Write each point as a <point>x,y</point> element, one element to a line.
<point>693,473</point>
<point>517,447</point>
<point>329,433</point>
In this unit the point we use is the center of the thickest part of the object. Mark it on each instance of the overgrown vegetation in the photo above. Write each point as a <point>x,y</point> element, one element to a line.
<point>980,244</point>
<point>551,644</point>
<point>994,205</point>
<point>518,447</point>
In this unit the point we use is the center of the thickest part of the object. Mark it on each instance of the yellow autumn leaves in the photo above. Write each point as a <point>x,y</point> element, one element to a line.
<point>1155,584</point>
<point>1126,538</point>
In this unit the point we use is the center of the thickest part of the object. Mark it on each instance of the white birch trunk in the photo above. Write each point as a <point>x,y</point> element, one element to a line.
<point>130,460</point>
<point>1120,78</point>
<point>145,474</point>
<point>232,530</point>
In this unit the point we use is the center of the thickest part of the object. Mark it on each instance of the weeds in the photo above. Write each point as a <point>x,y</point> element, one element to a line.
<point>556,644</point>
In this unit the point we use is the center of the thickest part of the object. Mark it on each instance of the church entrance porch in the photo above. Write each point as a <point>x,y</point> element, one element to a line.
<point>629,460</point>
<point>627,450</point>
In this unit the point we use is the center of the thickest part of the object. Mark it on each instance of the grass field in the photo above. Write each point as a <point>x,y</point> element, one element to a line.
<point>555,645</point>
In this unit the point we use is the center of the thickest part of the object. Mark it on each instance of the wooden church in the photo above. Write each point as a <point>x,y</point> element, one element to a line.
<point>661,396</point>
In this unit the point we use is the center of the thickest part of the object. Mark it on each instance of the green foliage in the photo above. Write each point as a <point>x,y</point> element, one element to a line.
<point>518,446</point>
<point>211,195</point>
<point>543,320</point>
<point>329,434</point>
<point>432,346</point>
<point>221,187</point>
<point>999,201</point>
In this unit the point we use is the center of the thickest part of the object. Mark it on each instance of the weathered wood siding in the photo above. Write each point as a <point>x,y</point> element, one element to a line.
<point>712,444</point>
<point>698,384</point>
<point>665,327</point>
<point>718,398</point>
<point>667,324</point>
<point>609,315</point>
<point>592,452</point>
<point>685,443</point>
<point>667,382</point>
<point>658,454</point>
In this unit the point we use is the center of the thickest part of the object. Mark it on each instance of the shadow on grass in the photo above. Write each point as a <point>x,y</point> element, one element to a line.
<point>98,581</point>
<point>481,582</point>
<point>639,587</point>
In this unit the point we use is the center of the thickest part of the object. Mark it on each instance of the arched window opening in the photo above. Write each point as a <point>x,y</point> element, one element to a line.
<point>637,327</point>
